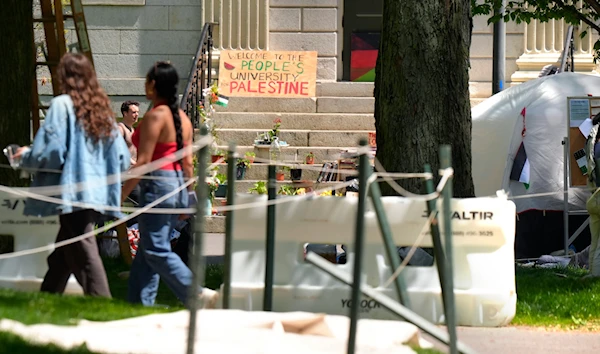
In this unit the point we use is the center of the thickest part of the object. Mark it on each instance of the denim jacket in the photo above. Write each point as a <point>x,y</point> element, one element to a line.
<point>62,144</point>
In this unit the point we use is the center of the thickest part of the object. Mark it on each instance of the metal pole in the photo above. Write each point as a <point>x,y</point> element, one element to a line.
<point>446,162</point>
<point>388,241</point>
<point>385,301</point>
<point>231,163</point>
<point>499,51</point>
<point>270,243</point>
<point>363,172</point>
<point>196,265</point>
<point>438,248</point>
<point>566,194</point>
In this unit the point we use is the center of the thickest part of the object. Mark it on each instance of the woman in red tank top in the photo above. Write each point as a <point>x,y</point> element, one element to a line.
<point>164,130</point>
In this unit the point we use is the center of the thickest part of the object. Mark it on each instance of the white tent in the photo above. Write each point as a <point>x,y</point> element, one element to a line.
<point>497,126</point>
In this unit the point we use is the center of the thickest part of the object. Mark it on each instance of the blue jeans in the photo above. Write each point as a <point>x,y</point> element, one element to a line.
<point>154,258</point>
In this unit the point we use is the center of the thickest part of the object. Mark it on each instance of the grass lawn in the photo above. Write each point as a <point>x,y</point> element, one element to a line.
<point>551,298</point>
<point>557,299</point>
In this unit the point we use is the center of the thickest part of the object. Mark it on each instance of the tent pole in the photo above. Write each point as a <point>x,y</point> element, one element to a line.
<point>566,194</point>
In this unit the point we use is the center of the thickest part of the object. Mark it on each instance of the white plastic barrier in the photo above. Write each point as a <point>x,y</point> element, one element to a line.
<point>27,272</point>
<point>484,279</point>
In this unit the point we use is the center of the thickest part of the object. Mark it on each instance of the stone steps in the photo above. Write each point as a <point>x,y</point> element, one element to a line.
<point>243,186</point>
<point>317,121</point>
<point>296,138</point>
<point>298,153</point>
<point>258,171</point>
<point>300,105</point>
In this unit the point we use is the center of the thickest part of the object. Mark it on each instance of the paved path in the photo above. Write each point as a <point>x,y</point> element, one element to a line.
<point>507,340</point>
<point>517,340</point>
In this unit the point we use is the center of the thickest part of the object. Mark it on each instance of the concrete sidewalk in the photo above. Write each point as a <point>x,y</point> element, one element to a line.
<point>526,340</point>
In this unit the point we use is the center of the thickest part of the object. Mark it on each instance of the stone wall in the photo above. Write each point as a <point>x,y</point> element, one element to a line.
<point>312,25</point>
<point>126,40</point>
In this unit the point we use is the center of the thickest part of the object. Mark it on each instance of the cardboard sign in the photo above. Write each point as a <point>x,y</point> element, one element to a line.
<point>247,73</point>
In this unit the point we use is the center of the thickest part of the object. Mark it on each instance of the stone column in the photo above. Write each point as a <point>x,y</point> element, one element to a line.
<point>543,45</point>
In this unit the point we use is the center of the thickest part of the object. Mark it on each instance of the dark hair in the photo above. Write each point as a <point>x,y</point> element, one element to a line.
<point>166,80</point>
<point>596,119</point>
<point>92,106</point>
<point>126,104</point>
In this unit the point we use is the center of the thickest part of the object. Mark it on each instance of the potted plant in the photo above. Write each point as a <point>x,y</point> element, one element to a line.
<point>216,156</point>
<point>296,173</point>
<point>250,156</point>
<point>213,185</point>
<point>310,158</point>
<point>241,167</point>
<point>260,187</point>
<point>286,190</point>
<point>280,174</point>
<point>221,191</point>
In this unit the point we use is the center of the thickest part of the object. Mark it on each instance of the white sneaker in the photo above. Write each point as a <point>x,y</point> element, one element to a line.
<point>209,298</point>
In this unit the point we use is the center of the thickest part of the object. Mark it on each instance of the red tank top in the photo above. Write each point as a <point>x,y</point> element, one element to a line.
<point>160,149</point>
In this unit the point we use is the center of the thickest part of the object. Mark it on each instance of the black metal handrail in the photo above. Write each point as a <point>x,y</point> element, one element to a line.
<point>200,76</point>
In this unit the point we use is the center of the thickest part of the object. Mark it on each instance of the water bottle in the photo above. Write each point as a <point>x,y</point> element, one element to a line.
<point>275,151</point>
<point>9,151</point>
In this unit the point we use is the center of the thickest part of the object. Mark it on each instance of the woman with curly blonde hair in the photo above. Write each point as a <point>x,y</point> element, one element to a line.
<point>79,138</point>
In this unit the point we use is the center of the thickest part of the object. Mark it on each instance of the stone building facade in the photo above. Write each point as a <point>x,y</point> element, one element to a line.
<point>127,36</point>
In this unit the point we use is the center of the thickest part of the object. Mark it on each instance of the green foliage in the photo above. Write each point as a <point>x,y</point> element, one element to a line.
<point>544,10</point>
<point>221,178</point>
<point>243,162</point>
<point>287,190</point>
<point>260,187</point>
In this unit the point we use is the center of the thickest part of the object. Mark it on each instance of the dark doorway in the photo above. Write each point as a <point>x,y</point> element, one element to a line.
<point>362,29</point>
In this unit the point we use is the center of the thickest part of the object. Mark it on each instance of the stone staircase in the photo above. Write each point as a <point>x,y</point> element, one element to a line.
<point>334,121</point>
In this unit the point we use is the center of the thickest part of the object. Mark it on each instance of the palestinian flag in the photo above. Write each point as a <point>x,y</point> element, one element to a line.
<point>521,169</point>
<point>222,100</point>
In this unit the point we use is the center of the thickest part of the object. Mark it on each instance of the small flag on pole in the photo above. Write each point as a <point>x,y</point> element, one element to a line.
<point>521,170</point>
<point>222,100</point>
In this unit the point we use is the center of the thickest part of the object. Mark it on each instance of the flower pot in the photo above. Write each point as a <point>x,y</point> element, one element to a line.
<point>296,174</point>
<point>310,160</point>
<point>215,158</point>
<point>279,176</point>
<point>221,191</point>
<point>250,159</point>
<point>240,172</point>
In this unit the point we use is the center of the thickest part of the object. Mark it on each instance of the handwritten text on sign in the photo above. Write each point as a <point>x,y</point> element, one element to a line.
<point>268,73</point>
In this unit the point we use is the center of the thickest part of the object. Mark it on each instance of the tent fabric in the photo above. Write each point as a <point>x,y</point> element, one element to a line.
<point>497,128</point>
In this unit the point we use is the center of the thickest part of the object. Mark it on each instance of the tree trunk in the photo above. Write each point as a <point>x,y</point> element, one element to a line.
<point>422,89</point>
<point>16,78</point>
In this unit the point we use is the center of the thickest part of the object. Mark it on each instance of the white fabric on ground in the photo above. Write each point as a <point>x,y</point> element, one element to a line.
<point>226,331</point>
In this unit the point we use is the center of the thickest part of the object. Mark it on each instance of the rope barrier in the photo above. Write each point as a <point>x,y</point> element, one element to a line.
<point>135,172</point>
<point>93,233</point>
<point>411,252</point>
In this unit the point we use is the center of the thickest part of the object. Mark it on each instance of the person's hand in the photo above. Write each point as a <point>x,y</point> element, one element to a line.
<point>17,155</point>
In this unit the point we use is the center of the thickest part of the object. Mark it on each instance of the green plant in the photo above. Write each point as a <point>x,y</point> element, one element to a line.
<point>243,162</point>
<point>275,131</point>
<point>260,187</point>
<point>287,190</point>
<point>221,178</point>
<point>310,155</point>
<point>250,154</point>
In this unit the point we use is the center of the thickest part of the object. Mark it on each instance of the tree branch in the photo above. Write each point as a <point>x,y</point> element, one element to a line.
<point>594,5</point>
<point>579,15</point>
